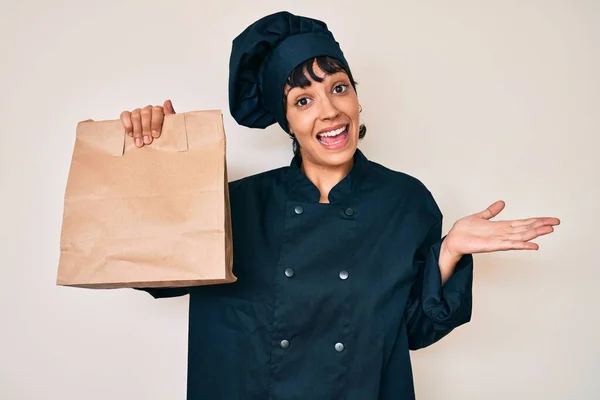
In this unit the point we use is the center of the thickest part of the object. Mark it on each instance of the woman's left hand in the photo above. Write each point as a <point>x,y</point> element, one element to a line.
<point>477,234</point>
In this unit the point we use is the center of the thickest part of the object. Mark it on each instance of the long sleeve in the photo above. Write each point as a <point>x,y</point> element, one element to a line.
<point>434,310</point>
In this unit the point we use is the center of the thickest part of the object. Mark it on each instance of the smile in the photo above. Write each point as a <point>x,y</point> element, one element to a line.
<point>335,138</point>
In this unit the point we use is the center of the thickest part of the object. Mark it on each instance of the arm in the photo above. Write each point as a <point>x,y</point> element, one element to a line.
<point>441,297</point>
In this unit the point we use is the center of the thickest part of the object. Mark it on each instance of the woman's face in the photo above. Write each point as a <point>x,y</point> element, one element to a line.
<point>324,117</point>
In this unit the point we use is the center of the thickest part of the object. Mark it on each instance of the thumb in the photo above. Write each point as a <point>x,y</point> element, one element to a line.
<point>492,210</point>
<point>168,107</point>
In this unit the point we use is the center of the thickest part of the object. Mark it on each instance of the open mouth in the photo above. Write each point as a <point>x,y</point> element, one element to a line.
<point>335,138</point>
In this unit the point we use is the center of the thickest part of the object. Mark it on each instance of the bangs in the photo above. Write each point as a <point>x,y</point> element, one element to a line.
<point>302,75</point>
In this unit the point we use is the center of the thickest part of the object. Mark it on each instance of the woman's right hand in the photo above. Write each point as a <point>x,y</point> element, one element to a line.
<point>145,124</point>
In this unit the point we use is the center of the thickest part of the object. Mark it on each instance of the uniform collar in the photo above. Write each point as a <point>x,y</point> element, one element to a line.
<point>300,188</point>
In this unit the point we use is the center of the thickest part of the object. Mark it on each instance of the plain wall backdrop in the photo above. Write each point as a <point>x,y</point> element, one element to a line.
<point>481,100</point>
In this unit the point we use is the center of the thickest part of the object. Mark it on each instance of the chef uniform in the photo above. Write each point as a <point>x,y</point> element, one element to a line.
<point>331,297</point>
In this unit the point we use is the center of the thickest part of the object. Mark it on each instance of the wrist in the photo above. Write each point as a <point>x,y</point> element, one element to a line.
<point>447,262</point>
<point>447,253</point>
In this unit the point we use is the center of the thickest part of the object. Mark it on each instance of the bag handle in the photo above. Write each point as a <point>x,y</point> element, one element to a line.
<point>110,137</point>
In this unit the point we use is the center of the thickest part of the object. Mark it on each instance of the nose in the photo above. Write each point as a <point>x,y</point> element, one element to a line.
<point>328,109</point>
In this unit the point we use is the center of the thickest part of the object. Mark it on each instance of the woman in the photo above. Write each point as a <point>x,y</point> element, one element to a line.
<point>340,261</point>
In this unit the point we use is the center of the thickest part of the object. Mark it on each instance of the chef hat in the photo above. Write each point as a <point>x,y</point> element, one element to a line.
<point>263,56</point>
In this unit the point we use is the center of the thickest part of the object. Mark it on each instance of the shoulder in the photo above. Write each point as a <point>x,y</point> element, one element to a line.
<point>259,181</point>
<point>398,181</point>
<point>404,188</point>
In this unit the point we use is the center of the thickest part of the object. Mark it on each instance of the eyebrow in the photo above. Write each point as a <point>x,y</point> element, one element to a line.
<point>288,89</point>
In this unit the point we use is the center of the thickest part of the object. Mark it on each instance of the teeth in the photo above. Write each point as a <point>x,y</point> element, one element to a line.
<point>334,143</point>
<point>333,133</point>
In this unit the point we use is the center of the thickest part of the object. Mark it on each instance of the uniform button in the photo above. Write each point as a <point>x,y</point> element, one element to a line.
<point>298,210</point>
<point>343,275</point>
<point>339,347</point>
<point>289,272</point>
<point>285,344</point>
<point>349,211</point>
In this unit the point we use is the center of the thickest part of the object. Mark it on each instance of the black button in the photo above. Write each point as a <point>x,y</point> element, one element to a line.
<point>298,210</point>
<point>289,272</point>
<point>349,211</point>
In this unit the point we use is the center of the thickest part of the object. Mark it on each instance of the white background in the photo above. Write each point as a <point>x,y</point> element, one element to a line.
<point>481,100</point>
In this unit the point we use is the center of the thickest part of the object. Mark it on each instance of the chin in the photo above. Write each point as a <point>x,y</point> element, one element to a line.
<point>339,157</point>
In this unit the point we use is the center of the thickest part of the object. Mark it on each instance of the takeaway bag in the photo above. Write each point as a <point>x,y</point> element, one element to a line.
<point>156,216</point>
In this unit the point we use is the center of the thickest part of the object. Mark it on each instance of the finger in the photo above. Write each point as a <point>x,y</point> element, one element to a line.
<point>516,245</point>
<point>136,120</point>
<point>523,222</point>
<point>158,116</point>
<point>506,245</point>
<point>146,122</point>
<point>492,210</point>
<point>551,221</point>
<point>168,106</point>
<point>532,233</point>
<point>524,228</point>
<point>529,221</point>
<point>126,121</point>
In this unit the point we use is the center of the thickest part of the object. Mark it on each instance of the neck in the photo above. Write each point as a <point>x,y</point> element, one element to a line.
<point>325,177</point>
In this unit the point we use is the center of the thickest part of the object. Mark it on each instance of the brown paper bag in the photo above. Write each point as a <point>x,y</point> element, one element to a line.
<point>156,216</point>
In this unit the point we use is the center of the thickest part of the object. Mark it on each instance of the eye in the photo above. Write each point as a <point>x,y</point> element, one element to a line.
<point>302,102</point>
<point>341,88</point>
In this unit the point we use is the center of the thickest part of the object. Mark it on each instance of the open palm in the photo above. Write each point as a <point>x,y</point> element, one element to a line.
<point>477,234</point>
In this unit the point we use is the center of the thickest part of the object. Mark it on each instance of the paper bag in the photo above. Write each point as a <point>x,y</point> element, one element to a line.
<point>156,216</point>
